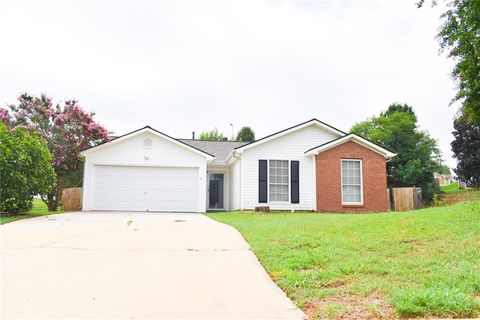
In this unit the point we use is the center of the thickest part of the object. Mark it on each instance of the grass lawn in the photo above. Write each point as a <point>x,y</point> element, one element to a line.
<point>39,209</point>
<point>412,264</point>
<point>452,188</point>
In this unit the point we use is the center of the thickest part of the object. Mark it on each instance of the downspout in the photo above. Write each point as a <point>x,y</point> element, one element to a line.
<point>240,164</point>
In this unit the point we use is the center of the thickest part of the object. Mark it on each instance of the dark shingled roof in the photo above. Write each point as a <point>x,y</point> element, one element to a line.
<point>220,149</point>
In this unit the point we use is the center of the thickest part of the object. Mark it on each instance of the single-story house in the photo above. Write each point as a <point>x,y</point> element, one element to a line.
<point>310,166</point>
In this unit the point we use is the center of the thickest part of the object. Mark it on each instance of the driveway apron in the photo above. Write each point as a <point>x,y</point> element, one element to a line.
<point>125,265</point>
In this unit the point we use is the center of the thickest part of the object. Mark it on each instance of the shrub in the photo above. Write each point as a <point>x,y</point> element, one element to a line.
<point>67,130</point>
<point>25,169</point>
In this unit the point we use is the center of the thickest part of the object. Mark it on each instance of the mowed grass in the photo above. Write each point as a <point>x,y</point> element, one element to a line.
<point>413,264</point>
<point>452,188</point>
<point>39,209</point>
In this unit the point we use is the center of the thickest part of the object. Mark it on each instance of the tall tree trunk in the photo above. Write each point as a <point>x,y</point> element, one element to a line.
<point>52,202</point>
<point>54,198</point>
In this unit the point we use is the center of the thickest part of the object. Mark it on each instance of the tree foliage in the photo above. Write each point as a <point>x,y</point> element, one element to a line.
<point>398,107</point>
<point>459,34</point>
<point>444,169</point>
<point>418,156</point>
<point>26,169</point>
<point>466,148</point>
<point>213,135</point>
<point>66,128</point>
<point>246,134</point>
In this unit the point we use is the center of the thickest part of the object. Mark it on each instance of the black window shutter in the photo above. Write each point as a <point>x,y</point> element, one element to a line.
<point>262,181</point>
<point>294,182</point>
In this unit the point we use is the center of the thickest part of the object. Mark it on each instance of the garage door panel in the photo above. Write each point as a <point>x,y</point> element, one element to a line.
<point>145,188</point>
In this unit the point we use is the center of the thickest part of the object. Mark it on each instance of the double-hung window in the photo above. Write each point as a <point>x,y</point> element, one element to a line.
<point>278,180</point>
<point>352,181</point>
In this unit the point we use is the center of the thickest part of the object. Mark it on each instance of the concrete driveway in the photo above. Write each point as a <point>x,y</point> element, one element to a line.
<point>133,265</point>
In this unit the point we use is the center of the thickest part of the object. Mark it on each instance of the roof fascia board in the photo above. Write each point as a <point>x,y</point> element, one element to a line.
<point>357,139</point>
<point>152,131</point>
<point>111,142</point>
<point>288,131</point>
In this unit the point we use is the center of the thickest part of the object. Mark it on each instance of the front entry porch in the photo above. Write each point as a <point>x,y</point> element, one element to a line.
<point>218,188</point>
<point>216,191</point>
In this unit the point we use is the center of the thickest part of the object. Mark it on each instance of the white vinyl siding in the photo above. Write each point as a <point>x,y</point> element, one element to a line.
<point>352,181</point>
<point>132,153</point>
<point>235,185</point>
<point>278,180</point>
<point>288,147</point>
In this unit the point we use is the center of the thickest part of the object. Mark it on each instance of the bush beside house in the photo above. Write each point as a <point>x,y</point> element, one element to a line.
<point>26,169</point>
<point>66,128</point>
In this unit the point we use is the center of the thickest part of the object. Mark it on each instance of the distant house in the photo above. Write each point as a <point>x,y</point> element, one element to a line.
<point>443,178</point>
<point>310,166</point>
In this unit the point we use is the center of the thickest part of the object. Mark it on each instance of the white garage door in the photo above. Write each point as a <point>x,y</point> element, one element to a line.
<point>145,188</point>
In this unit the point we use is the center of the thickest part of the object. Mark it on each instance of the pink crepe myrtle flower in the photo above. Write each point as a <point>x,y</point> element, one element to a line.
<point>65,126</point>
<point>4,116</point>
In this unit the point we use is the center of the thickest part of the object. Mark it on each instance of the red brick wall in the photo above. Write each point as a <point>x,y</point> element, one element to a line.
<point>328,167</point>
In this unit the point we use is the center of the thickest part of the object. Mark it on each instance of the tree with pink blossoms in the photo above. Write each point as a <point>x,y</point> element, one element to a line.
<point>66,128</point>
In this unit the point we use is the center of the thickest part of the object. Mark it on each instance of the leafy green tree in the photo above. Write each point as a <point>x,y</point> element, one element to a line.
<point>246,134</point>
<point>66,128</point>
<point>213,135</point>
<point>466,148</point>
<point>444,169</point>
<point>74,179</point>
<point>418,156</point>
<point>398,107</point>
<point>25,169</point>
<point>460,35</point>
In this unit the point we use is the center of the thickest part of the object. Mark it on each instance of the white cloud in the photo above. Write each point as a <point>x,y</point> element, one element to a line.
<point>192,65</point>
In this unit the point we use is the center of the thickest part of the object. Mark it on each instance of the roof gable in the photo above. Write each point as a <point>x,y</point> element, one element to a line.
<point>220,149</point>
<point>289,130</point>
<point>351,137</point>
<point>141,131</point>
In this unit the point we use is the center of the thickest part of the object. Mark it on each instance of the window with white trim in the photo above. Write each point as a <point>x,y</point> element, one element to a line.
<point>352,181</point>
<point>278,180</point>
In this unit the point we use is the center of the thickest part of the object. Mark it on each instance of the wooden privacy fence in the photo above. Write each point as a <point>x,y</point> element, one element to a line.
<point>405,199</point>
<point>72,199</point>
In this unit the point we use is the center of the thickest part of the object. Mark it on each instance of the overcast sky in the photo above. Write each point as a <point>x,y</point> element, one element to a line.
<point>183,66</point>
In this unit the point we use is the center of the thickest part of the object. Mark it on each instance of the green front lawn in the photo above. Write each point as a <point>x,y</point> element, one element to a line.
<point>452,188</point>
<point>409,264</point>
<point>39,209</point>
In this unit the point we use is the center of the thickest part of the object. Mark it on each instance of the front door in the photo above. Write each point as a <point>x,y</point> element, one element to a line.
<point>215,191</point>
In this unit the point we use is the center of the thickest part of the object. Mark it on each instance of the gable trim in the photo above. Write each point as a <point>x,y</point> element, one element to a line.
<point>142,130</point>
<point>286,131</point>
<point>355,138</point>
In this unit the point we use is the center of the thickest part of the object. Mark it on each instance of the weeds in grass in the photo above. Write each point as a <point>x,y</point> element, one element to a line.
<point>420,263</point>
<point>438,301</point>
<point>335,310</point>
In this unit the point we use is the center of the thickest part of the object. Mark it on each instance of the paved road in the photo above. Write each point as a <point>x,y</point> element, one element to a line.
<point>133,265</point>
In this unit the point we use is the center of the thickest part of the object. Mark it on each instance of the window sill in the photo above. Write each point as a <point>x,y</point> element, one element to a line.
<point>353,205</point>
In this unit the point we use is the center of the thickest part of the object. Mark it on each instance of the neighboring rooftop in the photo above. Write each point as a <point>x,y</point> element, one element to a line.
<point>220,149</point>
